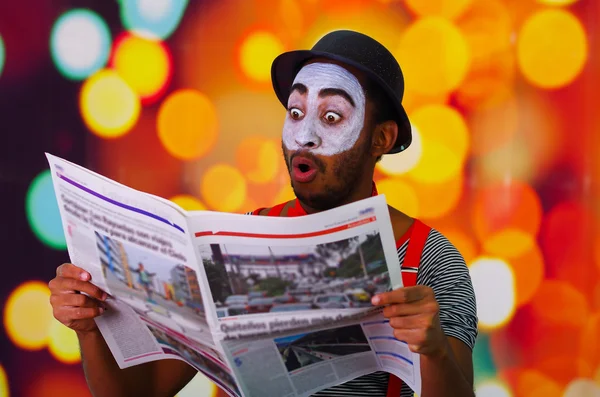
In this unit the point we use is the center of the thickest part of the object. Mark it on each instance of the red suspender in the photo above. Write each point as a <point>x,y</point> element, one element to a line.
<point>412,260</point>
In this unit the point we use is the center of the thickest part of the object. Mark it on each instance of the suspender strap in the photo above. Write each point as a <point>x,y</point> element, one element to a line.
<point>412,259</point>
<point>410,267</point>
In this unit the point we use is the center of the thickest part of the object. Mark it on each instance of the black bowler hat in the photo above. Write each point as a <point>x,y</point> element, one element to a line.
<point>357,50</point>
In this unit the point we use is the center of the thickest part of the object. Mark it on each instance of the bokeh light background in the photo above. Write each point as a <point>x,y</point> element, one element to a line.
<point>173,97</point>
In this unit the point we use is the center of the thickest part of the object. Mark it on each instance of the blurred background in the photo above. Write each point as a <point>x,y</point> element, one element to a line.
<point>173,97</point>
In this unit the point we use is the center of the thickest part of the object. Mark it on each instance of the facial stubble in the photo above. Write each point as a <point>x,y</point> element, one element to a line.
<point>342,177</point>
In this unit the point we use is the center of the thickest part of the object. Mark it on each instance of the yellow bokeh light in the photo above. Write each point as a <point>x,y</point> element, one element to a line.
<point>258,159</point>
<point>397,165</point>
<point>285,194</point>
<point>509,243</point>
<point>552,48</point>
<point>533,383</point>
<point>434,55</point>
<point>442,8</point>
<point>493,388</point>
<point>223,188</point>
<point>444,141</point>
<point>557,2</point>
<point>494,284</point>
<point>257,52</point>
<point>438,199</point>
<point>581,388</point>
<point>187,124</point>
<point>63,343</point>
<point>144,64</point>
<point>109,106</point>
<point>4,387</point>
<point>188,202</point>
<point>400,195</point>
<point>28,315</point>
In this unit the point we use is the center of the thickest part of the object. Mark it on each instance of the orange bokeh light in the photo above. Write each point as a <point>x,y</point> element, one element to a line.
<point>441,8</point>
<point>529,273</point>
<point>589,347</point>
<point>223,188</point>
<point>567,240</point>
<point>188,202</point>
<point>552,48</point>
<point>538,331</point>
<point>258,158</point>
<point>506,205</point>
<point>434,55</point>
<point>438,199</point>
<point>464,243</point>
<point>532,383</point>
<point>400,195</point>
<point>560,303</point>
<point>487,28</point>
<point>187,124</point>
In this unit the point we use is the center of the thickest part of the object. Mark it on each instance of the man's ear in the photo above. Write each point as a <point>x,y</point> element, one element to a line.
<point>384,138</point>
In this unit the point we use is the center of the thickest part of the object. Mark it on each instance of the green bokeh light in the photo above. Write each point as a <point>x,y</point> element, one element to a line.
<point>42,212</point>
<point>483,362</point>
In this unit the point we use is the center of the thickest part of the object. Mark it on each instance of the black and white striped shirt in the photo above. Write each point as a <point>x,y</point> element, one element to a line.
<point>443,269</point>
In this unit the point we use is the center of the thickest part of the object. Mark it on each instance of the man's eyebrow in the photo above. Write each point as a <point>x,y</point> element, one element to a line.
<point>301,88</point>
<point>336,92</point>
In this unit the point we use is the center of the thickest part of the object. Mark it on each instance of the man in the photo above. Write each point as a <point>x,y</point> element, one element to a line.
<point>344,112</point>
<point>145,281</point>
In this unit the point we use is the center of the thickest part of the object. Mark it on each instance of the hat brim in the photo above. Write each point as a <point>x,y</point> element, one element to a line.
<point>287,65</point>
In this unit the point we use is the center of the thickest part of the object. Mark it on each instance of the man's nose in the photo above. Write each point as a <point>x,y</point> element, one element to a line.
<point>307,138</point>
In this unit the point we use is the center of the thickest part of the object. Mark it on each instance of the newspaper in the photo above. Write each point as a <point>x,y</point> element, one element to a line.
<point>263,306</point>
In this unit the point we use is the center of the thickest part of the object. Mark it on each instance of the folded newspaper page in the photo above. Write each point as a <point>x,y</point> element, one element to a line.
<point>261,305</point>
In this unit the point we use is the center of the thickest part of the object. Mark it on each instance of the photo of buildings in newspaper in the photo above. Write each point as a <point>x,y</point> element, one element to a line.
<point>159,288</point>
<point>302,350</point>
<point>212,369</point>
<point>252,279</point>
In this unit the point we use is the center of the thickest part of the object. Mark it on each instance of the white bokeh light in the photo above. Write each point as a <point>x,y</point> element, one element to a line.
<point>494,284</point>
<point>492,388</point>
<point>80,43</point>
<point>200,385</point>
<point>154,10</point>
<point>400,163</point>
<point>582,387</point>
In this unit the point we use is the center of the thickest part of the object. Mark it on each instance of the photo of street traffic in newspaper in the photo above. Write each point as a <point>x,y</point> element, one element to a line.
<point>165,291</point>
<point>251,279</point>
<point>207,365</point>
<point>303,350</point>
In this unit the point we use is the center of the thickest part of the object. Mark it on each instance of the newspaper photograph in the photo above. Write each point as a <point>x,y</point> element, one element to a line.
<point>225,291</point>
<point>160,287</point>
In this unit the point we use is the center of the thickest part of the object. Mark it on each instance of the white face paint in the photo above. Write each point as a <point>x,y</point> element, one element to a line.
<point>321,120</point>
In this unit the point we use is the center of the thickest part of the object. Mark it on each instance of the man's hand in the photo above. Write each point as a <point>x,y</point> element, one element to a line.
<point>413,313</point>
<point>69,304</point>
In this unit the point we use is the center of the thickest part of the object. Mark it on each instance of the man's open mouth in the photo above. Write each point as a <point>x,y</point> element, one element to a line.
<point>303,169</point>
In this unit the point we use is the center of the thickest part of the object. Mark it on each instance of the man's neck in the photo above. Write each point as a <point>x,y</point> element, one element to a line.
<point>362,191</point>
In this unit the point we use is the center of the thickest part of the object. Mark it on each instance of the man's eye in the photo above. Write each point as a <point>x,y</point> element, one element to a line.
<point>332,117</point>
<point>296,113</point>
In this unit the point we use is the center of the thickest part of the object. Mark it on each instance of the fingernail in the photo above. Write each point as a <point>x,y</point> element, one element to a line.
<point>101,310</point>
<point>84,276</point>
<point>375,300</point>
<point>104,296</point>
